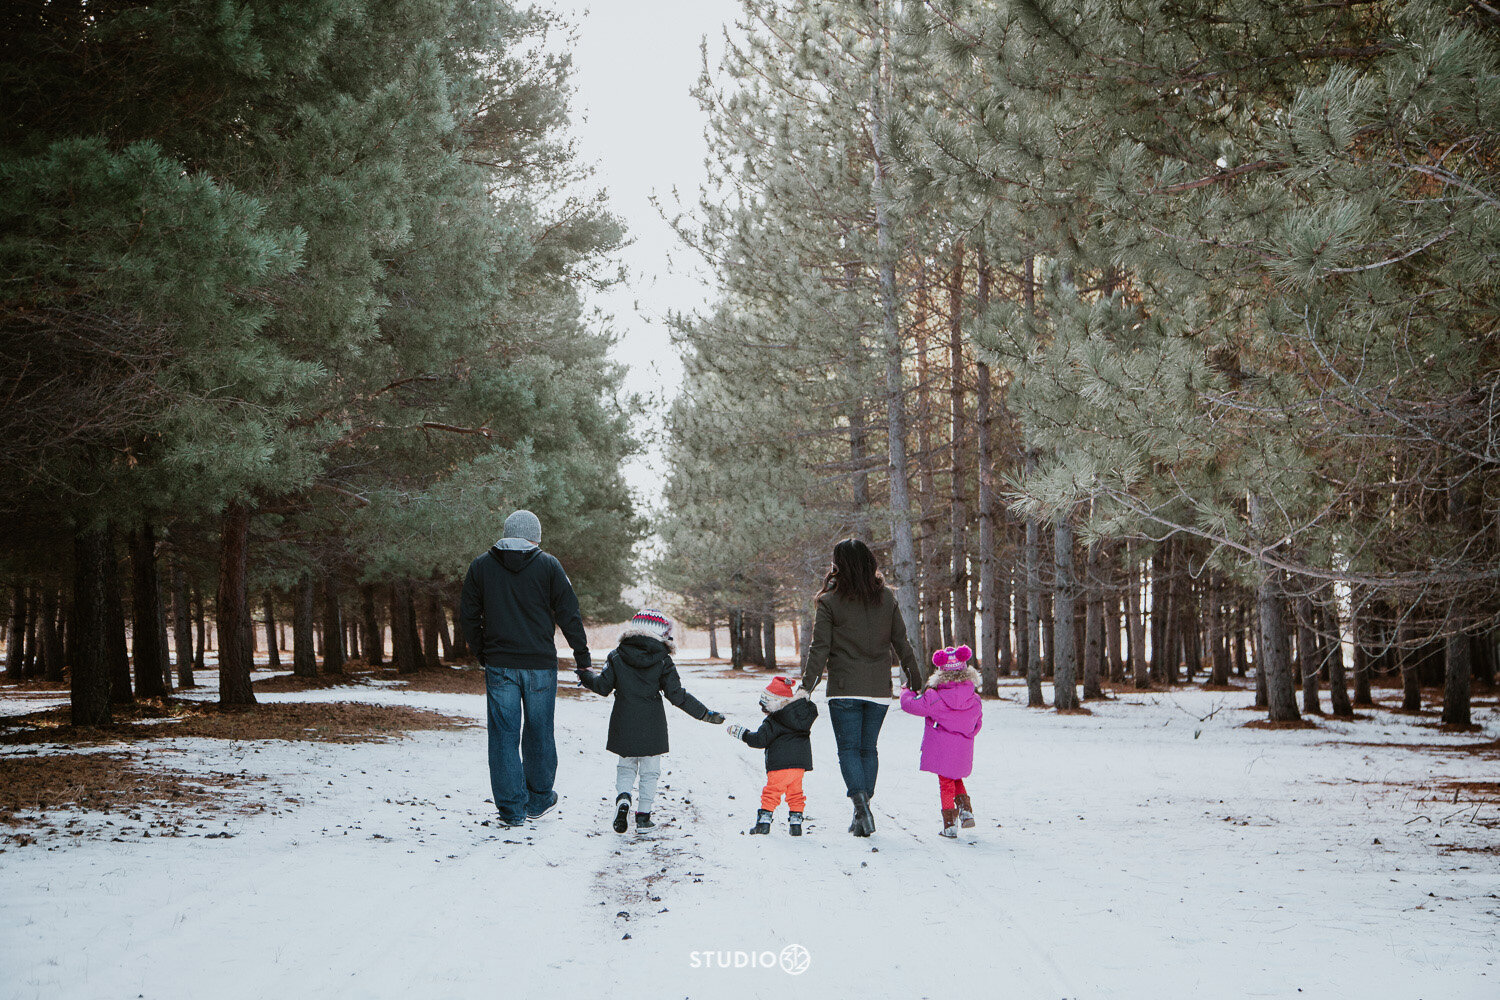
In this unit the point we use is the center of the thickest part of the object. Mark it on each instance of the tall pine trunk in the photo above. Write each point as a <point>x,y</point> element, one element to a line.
<point>1410,658</point>
<point>1034,697</point>
<point>273,639</point>
<point>1307,653</point>
<point>1093,628</point>
<point>963,622</point>
<point>116,651</point>
<point>304,659</point>
<point>1136,621</point>
<point>991,617</point>
<point>374,638</point>
<point>768,634</point>
<point>736,639</point>
<point>182,626</point>
<point>406,651</point>
<point>15,652</point>
<point>200,619</point>
<point>1064,603</point>
<point>150,655</point>
<point>1333,655</point>
<point>1457,665</point>
<point>1218,644</point>
<point>446,637</point>
<point>333,626</point>
<point>89,696</point>
<point>233,609</point>
<point>51,635</point>
<point>1114,655</point>
<point>713,640</point>
<point>903,541</point>
<point>430,613</point>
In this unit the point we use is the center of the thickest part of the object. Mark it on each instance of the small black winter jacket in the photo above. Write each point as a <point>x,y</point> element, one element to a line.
<point>513,602</point>
<point>639,672</point>
<point>786,736</point>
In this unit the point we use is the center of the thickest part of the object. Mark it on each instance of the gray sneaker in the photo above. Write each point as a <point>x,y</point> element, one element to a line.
<point>547,806</point>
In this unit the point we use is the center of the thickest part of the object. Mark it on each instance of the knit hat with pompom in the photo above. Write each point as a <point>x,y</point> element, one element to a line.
<point>952,658</point>
<point>652,624</point>
<point>777,695</point>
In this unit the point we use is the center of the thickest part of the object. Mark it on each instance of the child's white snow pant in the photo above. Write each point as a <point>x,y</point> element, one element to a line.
<point>649,769</point>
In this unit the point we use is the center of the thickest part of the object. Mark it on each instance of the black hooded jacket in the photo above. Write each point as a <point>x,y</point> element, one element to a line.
<point>786,736</point>
<point>513,602</point>
<point>639,672</point>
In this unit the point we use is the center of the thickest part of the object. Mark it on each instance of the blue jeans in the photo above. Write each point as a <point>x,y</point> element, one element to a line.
<point>856,727</point>
<point>523,758</point>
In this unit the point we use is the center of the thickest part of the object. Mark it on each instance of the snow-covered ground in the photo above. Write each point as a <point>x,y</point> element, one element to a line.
<point>1153,849</point>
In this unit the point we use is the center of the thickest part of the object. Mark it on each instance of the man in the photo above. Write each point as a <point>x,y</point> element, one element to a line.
<point>515,596</point>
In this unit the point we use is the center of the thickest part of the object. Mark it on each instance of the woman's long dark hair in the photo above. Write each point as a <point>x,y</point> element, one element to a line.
<point>855,573</point>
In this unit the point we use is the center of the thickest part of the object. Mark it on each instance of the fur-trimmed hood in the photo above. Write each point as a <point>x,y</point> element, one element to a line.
<point>770,704</point>
<point>797,712</point>
<point>641,650</point>
<point>639,632</point>
<point>940,677</point>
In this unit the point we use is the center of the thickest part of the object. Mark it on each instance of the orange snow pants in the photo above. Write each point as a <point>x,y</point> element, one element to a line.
<point>787,782</point>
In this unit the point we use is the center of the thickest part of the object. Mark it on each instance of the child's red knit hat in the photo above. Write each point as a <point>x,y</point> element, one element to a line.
<point>777,695</point>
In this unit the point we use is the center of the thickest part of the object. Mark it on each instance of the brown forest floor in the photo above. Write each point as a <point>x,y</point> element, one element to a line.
<point>138,785</point>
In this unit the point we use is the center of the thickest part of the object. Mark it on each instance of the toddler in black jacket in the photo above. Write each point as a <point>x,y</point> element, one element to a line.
<point>638,673</point>
<point>785,735</point>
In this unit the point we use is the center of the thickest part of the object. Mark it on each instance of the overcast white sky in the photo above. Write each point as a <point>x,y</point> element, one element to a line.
<point>635,61</point>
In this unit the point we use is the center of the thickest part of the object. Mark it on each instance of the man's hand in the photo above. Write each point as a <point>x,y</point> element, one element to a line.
<point>714,718</point>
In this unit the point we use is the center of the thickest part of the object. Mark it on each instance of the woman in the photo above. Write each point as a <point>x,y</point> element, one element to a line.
<point>857,629</point>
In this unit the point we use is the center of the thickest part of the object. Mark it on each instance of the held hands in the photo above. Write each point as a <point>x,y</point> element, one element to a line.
<point>714,718</point>
<point>738,732</point>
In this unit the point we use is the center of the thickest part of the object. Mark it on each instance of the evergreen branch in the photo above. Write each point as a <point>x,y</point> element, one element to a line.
<point>1218,178</point>
<point>1267,556</point>
<point>1394,260</point>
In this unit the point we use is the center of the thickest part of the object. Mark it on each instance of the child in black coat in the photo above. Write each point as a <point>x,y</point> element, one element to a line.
<point>785,735</point>
<point>638,673</point>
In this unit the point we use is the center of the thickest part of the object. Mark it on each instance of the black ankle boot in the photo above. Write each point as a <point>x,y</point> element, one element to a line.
<point>794,824</point>
<point>643,821</point>
<point>864,820</point>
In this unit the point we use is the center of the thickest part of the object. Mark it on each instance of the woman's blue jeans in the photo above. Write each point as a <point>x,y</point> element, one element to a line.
<point>856,727</point>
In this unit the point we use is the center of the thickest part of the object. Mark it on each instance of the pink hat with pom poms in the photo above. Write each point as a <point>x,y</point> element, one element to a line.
<point>952,658</point>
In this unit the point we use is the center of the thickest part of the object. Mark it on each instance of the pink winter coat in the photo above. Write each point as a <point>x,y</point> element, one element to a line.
<point>954,715</point>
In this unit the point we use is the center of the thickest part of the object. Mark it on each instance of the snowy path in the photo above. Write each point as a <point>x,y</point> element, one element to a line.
<point>1134,860</point>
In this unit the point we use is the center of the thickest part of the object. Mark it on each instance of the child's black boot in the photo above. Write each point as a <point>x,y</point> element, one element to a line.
<point>622,810</point>
<point>794,824</point>
<point>762,821</point>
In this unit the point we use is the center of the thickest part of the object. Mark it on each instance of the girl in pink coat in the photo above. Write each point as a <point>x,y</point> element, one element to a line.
<point>950,703</point>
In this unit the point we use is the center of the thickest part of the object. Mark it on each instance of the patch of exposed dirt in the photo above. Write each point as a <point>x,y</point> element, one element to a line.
<point>115,783</point>
<point>291,683</point>
<point>444,680</point>
<point>1472,791</point>
<point>1489,749</point>
<point>1288,724</point>
<point>34,689</point>
<point>324,722</point>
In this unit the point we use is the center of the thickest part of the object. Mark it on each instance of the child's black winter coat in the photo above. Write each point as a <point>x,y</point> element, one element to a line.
<point>785,735</point>
<point>639,672</point>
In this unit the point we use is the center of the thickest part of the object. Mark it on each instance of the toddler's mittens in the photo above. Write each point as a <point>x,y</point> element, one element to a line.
<point>738,732</point>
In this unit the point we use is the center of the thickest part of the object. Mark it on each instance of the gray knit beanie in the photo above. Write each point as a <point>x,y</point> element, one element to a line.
<point>524,524</point>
